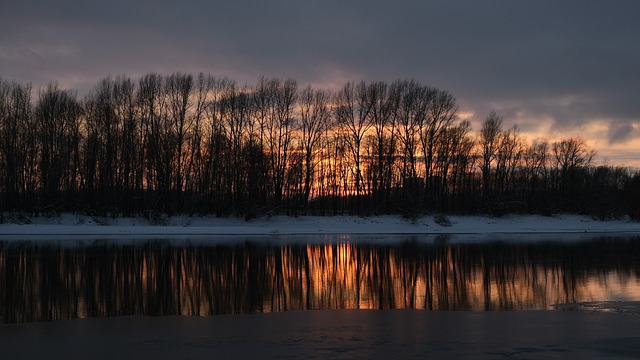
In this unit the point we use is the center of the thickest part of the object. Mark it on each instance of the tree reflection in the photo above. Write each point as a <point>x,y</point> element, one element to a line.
<point>50,282</point>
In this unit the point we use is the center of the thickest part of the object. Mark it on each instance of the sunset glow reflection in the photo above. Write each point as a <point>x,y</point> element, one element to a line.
<point>43,283</point>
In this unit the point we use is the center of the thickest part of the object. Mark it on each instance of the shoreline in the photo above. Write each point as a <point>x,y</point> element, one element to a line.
<point>80,226</point>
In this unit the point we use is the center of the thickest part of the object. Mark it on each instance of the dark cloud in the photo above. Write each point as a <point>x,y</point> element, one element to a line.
<point>623,132</point>
<point>572,61</point>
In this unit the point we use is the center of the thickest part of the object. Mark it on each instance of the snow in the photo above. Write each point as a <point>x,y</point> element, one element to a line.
<point>73,225</point>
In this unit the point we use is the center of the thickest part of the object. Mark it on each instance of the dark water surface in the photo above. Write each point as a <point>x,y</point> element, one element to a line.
<point>44,281</point>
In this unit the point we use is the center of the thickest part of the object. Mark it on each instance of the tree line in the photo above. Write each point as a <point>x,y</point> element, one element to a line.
<point>178,143</point>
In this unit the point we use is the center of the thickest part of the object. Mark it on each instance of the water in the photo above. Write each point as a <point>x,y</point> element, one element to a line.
<point>45,281</point>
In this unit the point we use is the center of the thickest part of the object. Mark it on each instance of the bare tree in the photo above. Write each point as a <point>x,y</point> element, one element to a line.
<point>463,174</point>
<point>353,110</point>
<point>101,126</point>
<point>508,155</point>
<point>411,112</point>
<point>15,142</point>
<point>195,147</point>
<point>452,144</point>
<point>315,121</point>
<point>235,113</point>
<point>57,115</point>
<point>535,173</point>
<point>571,153</point>
<point>488,142</point>
<point>570,156</point>
<point>179,88</point>
<point>441,113</point>
<point>151,104</point>
<point>385,102</point>
<point>130,143</point>
<point>217,158</point>
<point>280,133</point>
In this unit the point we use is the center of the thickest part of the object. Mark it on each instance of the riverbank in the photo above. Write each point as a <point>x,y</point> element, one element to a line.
<point>73,225</point>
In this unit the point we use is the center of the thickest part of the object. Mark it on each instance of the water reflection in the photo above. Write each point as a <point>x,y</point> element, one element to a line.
<point>42,282</point>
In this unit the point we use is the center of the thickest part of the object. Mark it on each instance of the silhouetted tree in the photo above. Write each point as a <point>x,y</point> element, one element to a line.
<point>353,110</point>
<point>57,122</point>
<point>441,113</point>
<point>315,121</point>
<point>175,143</point>
<point>571,158</point>
<point>16,144</point>
<point>179,89</point>
<point>488,142</point>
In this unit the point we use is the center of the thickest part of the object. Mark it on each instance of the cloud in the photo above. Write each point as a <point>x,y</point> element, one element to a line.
<point>548,65</point>
<point>620,133</point>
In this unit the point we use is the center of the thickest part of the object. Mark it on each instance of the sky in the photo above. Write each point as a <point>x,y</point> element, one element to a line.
<point>557,69</point>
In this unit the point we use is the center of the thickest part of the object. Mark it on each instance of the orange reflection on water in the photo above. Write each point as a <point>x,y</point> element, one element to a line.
<point>39,283</point>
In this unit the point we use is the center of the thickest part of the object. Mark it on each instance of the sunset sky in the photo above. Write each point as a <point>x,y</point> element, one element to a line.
<point>556,68</point>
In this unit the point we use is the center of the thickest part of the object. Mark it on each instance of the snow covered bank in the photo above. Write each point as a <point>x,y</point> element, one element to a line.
<point>72,225</point>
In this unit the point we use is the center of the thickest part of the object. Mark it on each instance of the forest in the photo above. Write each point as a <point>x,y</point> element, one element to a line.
<point>206,145</point>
